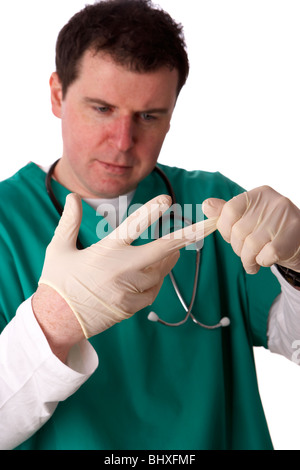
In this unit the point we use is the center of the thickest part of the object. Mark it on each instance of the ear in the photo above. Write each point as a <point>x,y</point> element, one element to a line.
<point>56,94</point>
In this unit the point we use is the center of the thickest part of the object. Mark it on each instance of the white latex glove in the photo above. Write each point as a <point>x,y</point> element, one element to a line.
<point>262,226</point>
<point>111,280</point>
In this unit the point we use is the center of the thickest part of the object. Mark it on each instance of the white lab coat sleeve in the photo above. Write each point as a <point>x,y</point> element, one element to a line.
<point>284,321</point>
<point>32,379</point>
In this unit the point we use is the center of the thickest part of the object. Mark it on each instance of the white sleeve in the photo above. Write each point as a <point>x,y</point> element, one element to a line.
<point>284,321</point>
<point>32,379</point>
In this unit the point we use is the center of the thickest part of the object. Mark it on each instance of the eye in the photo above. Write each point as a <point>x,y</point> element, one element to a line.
<point>148,117</point>
<point>102,109</point>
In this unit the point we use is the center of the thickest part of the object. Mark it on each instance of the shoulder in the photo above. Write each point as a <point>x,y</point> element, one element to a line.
<point>26,227</point>
<point>202,184</point>
<point>25,210</point>
<point>26,173</point>
<point>22,189</point>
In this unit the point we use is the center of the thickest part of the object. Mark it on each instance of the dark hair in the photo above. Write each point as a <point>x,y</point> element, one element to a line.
<point>134,33</point>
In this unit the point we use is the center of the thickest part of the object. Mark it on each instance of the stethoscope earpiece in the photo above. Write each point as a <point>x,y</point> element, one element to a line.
<point>225,321</point>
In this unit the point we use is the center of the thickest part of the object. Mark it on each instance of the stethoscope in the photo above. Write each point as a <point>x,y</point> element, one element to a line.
<point>152,315</point>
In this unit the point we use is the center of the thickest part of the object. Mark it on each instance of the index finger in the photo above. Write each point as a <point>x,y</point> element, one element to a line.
<point>172,242</point>
<point>140,220</point>
<point>232,212</point>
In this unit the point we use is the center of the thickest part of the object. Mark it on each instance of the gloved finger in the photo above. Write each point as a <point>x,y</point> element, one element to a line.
<point>168,263</point>
<point>247,231</point>
<point>272,254</point>
<point>268,255</point>
<point>145,288</point>
<point>166,266</point>
<point>172,242</point>
<point>212,207</point>
<point>161,268</point>
<point>252,246</point>
<point>190,234</point>
<point>232,211</point>
<point>251,267</point>
<point>154,273</point>
<point>140,220</point>
<point>145,298</point>
<point>69,224</point>
<point>150,294</point>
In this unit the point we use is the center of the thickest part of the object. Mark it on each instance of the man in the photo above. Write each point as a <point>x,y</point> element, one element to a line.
<point>120,68</point>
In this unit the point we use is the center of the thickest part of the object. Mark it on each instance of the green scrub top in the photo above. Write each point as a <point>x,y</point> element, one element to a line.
<point>156,387</point>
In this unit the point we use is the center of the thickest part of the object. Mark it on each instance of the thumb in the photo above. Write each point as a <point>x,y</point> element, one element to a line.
<point>212,207</point>
<point>68,227</point>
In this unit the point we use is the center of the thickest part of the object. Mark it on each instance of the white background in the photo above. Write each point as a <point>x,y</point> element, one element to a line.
<point>239,114</point>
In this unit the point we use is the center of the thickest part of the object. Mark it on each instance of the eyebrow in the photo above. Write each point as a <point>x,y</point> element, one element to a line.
<point>101,102</point>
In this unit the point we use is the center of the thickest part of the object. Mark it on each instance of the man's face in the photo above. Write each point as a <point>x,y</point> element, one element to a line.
<point>114,122</point>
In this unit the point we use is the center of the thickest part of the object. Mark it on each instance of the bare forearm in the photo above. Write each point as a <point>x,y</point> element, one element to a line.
<point>57,321</point>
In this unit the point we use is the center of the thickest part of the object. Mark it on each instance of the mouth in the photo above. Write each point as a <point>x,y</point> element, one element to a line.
<point>114,168</point>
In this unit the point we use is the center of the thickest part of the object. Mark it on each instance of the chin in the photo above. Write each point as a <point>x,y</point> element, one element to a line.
<point>106,192</point>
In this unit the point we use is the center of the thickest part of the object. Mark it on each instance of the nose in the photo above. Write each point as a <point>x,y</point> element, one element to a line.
<point>123,133</point>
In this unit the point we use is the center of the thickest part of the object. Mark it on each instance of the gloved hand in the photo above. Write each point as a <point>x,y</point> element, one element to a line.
<point>262,226</point>
<point>111,280</point>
